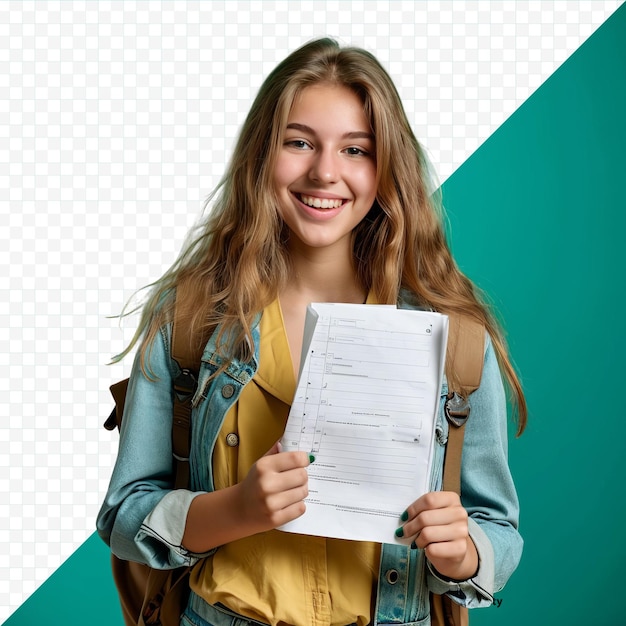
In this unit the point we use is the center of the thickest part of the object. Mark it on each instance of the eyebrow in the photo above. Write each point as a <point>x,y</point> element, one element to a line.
<point>357,134</point>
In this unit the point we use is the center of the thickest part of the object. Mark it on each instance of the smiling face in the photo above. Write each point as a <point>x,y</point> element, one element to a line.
<point>325,174</point>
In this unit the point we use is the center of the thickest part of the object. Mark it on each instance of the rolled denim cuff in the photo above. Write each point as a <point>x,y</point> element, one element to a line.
<point>161,534</point>
<point>476,591</point>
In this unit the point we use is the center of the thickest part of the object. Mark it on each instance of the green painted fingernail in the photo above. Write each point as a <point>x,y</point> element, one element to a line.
<point>400,532</point>
<point>405,516</point>
<point>311,458</point>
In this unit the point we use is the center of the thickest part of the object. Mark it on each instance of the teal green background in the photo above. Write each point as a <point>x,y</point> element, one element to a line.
<point>537,220</point>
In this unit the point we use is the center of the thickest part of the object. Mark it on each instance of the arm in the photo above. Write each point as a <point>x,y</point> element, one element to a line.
<point>271,495</point>
<point>487,489</point>
<point>473,545</point>
<point>142,478</point>
<point>144,519</point>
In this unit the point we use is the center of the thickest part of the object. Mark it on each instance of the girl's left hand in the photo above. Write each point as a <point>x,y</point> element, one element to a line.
<point>438,523</point>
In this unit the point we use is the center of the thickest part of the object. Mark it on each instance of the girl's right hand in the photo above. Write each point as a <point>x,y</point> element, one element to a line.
<point>274,489</point>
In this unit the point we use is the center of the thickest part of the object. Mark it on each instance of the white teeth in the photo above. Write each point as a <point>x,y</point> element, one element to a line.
<point>321,203</point>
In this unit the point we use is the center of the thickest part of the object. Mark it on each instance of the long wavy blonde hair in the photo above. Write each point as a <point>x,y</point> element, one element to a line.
<point>237,259</point>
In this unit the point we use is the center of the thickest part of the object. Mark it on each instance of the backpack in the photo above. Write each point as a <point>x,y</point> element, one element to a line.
<point>158,597</point>
<point>465,350</point>
<point>150,596</point>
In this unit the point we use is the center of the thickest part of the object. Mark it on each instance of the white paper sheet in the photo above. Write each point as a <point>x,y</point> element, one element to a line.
<point>365,407</point>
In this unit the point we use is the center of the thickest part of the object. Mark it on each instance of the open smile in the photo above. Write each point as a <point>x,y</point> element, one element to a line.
<point>320,203</point>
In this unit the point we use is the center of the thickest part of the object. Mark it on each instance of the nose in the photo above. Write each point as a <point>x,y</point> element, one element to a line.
<point>325,167</point>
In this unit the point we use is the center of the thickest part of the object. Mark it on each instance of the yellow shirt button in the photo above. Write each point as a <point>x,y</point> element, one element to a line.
<point>232,440</point>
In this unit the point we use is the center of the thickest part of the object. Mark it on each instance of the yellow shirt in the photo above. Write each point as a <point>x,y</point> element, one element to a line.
<point>277,577</point>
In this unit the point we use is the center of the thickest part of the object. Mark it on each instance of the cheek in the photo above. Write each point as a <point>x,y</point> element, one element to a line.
<point>279,173</point>
<point>367,183</point>
<point>285,172</point>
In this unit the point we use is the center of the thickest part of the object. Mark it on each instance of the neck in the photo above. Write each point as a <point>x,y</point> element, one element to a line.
<point>324,276</point>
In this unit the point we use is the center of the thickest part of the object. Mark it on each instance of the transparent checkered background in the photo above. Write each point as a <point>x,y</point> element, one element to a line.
<point>116,120</point>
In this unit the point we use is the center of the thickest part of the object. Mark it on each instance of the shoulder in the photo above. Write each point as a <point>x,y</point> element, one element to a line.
<point>408,300</point>
<point>464,330</point>
<point>156,341</point>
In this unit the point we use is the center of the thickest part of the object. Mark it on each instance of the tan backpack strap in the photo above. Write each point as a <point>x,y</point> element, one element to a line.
<point>452,463</point>
<point>187,353</point>
<point>464,368</point>
<point>465,354</point>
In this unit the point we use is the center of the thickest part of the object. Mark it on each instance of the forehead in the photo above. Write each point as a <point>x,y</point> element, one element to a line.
<point>327,106</point>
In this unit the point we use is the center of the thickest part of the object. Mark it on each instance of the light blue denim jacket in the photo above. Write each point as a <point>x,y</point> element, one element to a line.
<point>143,517</point>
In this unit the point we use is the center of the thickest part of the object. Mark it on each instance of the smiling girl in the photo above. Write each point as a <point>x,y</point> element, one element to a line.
<point>327,199</point>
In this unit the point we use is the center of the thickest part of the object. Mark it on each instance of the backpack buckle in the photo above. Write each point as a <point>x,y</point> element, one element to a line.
<point>457,409</point>
<point>185,384</point>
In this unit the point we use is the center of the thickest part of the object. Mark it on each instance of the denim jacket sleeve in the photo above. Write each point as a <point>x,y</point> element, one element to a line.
<point>488,494</point>
<point>143,517</point>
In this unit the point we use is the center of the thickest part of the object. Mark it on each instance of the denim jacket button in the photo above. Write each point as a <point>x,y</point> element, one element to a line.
<point>391,576</point>
<point>232,440</point>
<point>228,391</point>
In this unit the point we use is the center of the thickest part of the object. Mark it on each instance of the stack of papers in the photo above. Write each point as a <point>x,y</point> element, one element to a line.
<point>365,407</point>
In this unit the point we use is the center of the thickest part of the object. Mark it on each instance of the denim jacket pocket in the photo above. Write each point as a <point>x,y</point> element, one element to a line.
<point>402,590</point>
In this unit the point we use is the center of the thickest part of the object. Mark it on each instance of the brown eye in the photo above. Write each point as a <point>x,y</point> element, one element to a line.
<point>354,151</point>
<point>299,144</point>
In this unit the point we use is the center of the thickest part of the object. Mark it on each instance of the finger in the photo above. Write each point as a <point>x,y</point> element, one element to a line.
<point>271,481</point>
<point>450,517</point>
<point>288,513</point>
<point>283,461</point>
<point>433,500</point>
<point>431,535</point>
<point>285,499</point>
<point>451,551</point>
<point>432,510</point>
<point>441,517</point>
<point>284,481</point>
